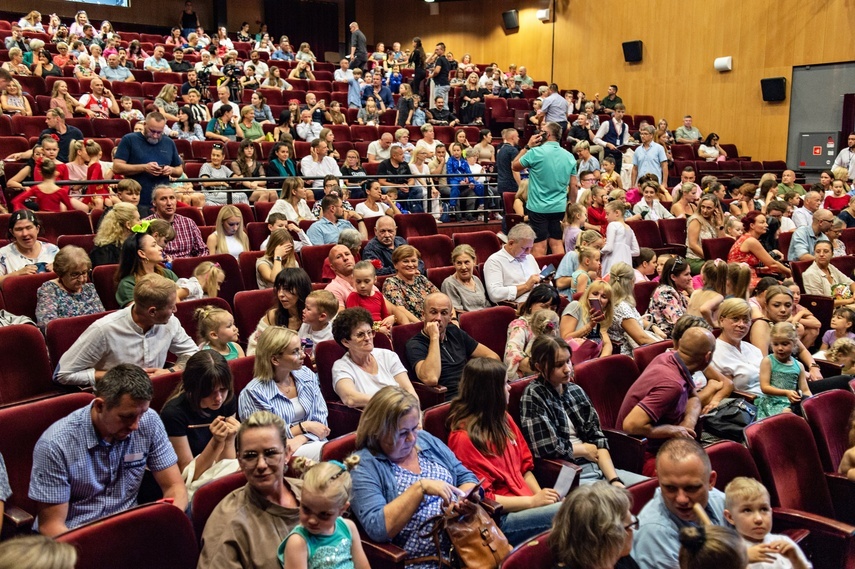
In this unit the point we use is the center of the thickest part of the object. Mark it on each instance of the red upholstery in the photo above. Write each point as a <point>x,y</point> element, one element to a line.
<point>846,264</point>
<point>642,293</point>
<point>436,421</point>
<point>642,493</point>
<point>485,243</point>
<point>848,238</point>
<point>517,390</point>
<point>489,326</point>
<point>415,224</point>
<point>435,249</point>
<point>242,372</point>
<point>22,425</point>
<point>59,223</point>
<point>729,460</point>
<point>820,306</point>
<point>606,381</point>
<point>19,293</point>
<point>246,261</point>
<point>250,306</point>
<point>533,553</point>
<point>799,267</point>
<point>400,336</point>
<point>191,213</point>
<point>103,279</point>
<point>326,354</point>
<point>12,145</point>
<point>207,497</point>
<point>643,355</point>
<point>210,213</point>
<point>25,371</point>
<point>339,448</point>
<point>184,311</point>
<point>673,231</point>
<point>111,128</point>
<point>231,285</point>
<point>827,414</point>
<point>363,133</point>
<point>61,333</point>
<point>717,248</point>
<point>164,386</point>
<point>313,257</point>
<point>438,274</point>
<point>86,242</point>
<point>784,239</point>
<point>647,234</point>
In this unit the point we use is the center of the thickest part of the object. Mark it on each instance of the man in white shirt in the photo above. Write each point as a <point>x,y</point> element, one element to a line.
<point>343,74</point>
<point>261,68</point>
<point>223,99</point>
<point>380,150</point>
<point>318,164</point>
<point>307,129</point>
<point>511,272</point>
<point>613,134</point>
<point>804,215</point>
<point>846,158</point>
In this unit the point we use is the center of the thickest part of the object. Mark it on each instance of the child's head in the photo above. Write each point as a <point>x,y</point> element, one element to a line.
<point>276,221</point>
<point>575,215</point>
<point>738,279</point>
<point>747,508</point>
<point>608,164</point>
<point>711,547</point>
<point>842,352</point>
<point>215,325</point>
<point>660,262</point>
<point>364,277</point>
<point>645,262</point>
<point>326,492</point>
<point>161,230</point>
<point>784,336</point>
<point>128,191</point>
<point>589,259</point>
<point>127,103</point>
<point>392,193</point>
<point>472,155</point>
<point>615,210</point>
<point>321,307</point>
<point>794,288</point>
<point>544,321</point>
<point>842,319</point>
<point>590,238</point>
<point>210,276</point>
<point>714,274</point>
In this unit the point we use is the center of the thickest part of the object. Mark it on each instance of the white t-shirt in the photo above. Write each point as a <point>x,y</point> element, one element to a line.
<point>388,366</point>
<point>780,561</point>
<point>284,207</point>
<point>12,260</point>
<point>741,365</point>
<point>193,286</point>
<point>323,334</point>
<point>363,209</point>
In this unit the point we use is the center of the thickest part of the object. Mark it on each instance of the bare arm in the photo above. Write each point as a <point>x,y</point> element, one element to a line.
<point>345,388</point>
<point>52,519</point>
<point>639,423</point>
<point>429,369</point>
<point>172,484</point>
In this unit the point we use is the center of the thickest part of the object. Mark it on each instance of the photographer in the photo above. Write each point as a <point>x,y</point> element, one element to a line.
<point>551,170</point>
<point>231,78</point>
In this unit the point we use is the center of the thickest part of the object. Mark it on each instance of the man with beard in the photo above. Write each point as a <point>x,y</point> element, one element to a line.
<point>332,222</point>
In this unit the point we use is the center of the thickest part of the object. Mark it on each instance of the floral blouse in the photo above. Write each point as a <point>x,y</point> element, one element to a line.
<point>519,342</point>
<point>411,297</point>
<point>55,302</point>
<point>666,307</point>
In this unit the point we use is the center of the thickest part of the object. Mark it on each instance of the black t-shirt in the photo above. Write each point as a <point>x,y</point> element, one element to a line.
<point>72,133</point>
<point>185,88</point>
<point>394,175</point>
<point>182,67</point>
<point>504,158</point>
<point>444,69</point>
<point>405,105</point>
<point>357,39</point>
<point>454,352</point>
<point>188,20</point>
<point>105,255</point>
<point>177,414</point>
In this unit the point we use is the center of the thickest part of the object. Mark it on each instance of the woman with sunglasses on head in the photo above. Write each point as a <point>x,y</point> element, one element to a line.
<point>748,248</point>
<point>670,300</point>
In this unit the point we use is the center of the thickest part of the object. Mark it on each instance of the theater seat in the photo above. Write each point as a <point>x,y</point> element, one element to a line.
<point>59,223</point>
<point>435,249</point>
<point>247,262</point>
<point>489,326</point>
<point>61,334</point>
<point>485,243</point>
<point>231,285</point>
<point>185,310</point>
<point>414,224</point>
<point>313,257</point>
<point>533,553</point>
<point>20,293</point>
<point>643,355</point>
<point>828,414</point>
<point>718,248</point>
<point>25,372</point>
<point>250,306</point>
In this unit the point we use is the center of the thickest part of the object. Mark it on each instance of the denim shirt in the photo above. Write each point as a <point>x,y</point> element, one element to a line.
<point>374,482</point>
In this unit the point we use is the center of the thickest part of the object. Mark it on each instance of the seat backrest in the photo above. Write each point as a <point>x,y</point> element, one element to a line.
<point>784,239</point>
<point>820,306</point>
<point>647,233</point>
<point>485,243</point>
<point>242,372</point>
<point>61,333</point>
<point>799,267</point>
<point>20,293</point>
<point>828,414</point>
<point>25,367</point>
<point>208,497</point>
<point>642,493</point>
<point>415,224</point>
<point>250,306</point>
<point>730,459</point>
<point>326,354</point>
<point>22,425</point>
<point>846,264</point>
<point>643,355</point>
<point>400,336</point>
<point>517,389</point>
<point>185,312</point>
<point>436,421</point>
<point>313,257</point>
<point>533,553</point>
<point>164,386</point>
<point>673,230</point>
<point>59,223</point>
<point>339,448</point>
<point>606,381</point>
<point>717,248</point>
<point>233,282</point>
<point>437,275</point>
<point>247,261</point>
<point>489,326</point>
<point>102,278</point>
<point>642,293</point>
<point>435,249</point>
<point>786,456</point>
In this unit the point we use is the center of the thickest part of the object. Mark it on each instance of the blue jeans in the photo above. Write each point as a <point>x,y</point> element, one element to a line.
<point>525,524</point>
<point>591,473</point>
<point>441,91</point>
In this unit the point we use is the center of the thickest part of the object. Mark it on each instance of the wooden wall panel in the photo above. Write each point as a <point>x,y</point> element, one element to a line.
<point>681,39</point>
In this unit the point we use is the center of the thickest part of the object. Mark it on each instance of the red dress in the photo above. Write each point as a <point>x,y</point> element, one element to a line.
<point>834,203</point>
<point>375,304</point>
<point>597,216</point>
<point>737,256</point>
<point>46,202</point>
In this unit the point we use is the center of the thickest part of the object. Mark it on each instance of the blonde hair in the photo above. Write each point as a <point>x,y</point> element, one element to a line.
<point>277,238</point>
<point>734,308</point>
<point>738,278</point>
<point>586,197</point>
<point>329,479</point>
<point>622,281</point>
<point>840,347</point>
<point>263,420</point>
<point>608,311</point>
<point>587,238</point>
<point>522,189</point>
<point>209,319</point>
<point>464,249</point>
<point>326,301</point>
<point>715,275</point>
<point>380,417</point>
<point>226,212</point>
<point>153,290</point>
<point>743,488</point>
<point>211,272</point>
<point>162,228</point>
<point>574,212</point>
<point>36,552</point>
<point>588,253</point>
<point>544,321</point>
<point>113,226</point>
<point>89,146</point>
<point>616,206</point>
<point>271,342</point>
<point>167,93</point>
<point>784,330</point>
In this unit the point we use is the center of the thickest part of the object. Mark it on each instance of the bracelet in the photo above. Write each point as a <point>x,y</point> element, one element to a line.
<point>615,479</point>
<point>527,147</point>
<point>277,258</point>
<point>302,430</point>
<point>814,364</point>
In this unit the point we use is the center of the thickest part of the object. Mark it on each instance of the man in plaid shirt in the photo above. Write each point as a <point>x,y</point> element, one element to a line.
<point>188,239</point>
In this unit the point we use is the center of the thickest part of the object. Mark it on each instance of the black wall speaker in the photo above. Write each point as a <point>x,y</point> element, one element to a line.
<point>774,88</point>
<point>632,51</point>
<point>511,19</point>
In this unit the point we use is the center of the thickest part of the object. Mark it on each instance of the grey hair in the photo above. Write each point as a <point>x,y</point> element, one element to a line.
<point>648,129</point>
<point>124,379</point>
<point>350,238</point>
<point>521,231</point>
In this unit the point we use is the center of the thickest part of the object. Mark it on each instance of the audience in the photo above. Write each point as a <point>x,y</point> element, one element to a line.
<point>70,294</point>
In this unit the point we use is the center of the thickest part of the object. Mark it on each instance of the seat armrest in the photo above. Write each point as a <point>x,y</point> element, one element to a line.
<point>842,492</point>
<point>546,471</point>
<point>627,450</point>
<point>749,397</point>
<point>797,535</point>
<point>681,248</point>
<point>831,543</point>
<point>429,395</point>
<point>384,554</point>
<point>787,518</point>
<point>17,518</point>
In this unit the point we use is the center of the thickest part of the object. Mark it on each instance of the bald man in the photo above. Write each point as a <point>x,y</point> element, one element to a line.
<point>662,404</point>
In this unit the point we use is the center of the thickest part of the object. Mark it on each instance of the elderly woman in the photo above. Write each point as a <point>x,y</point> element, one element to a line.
<point>364,369</point>
<point>822,278</point>
<point>247,525</point>
<point>488,442</point>
<point>670,300</point>
<point>71,293</point>
<point>706,223</point>
<point>16,65</point>
<point>594,529</point>
<point>749,250</point>
<point>408,288</point>
<point>285,387</point>
<point>560,422</point>
<point>405,475</point>
<point>521,331</point>
<point>13,102</point>
<point>114,229</point>
<point>25,255</point>
<point>733,357</point>
<point>465,290</point>
<point>249,128</point>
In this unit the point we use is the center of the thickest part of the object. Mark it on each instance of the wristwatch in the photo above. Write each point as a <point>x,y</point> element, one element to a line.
<point>277,258</point>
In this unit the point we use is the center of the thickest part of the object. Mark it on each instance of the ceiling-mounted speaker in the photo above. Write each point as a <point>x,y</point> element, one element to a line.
<point>511,19</point>
<point>632,51</point>
<point>723,64</point>
<point>774,88</point>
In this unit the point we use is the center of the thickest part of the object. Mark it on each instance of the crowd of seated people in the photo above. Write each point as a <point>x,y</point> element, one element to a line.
<point>376,285</point>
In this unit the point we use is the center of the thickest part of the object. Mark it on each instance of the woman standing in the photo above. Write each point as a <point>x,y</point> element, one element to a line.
<point>285,387</point>
<point>71,293</point>
<point>408,288</point>
<point>417,61</point>
<point>749,250</point>
<point>706,223</point>
<point>670,300</point>
<point>485,148</point>
<point>465,290</point>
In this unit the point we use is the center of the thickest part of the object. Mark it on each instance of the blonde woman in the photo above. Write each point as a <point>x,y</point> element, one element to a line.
<point>292,201</point>
<point>16,65</point>
<point>59,98</point>
<point>423,186</point>
<point>250,129</point>
<point>165,102</point>
<point>84,68</point>
<point>115,227</point>
<point>32,22</point>
<point>13,102</point>
<point>230,236</point>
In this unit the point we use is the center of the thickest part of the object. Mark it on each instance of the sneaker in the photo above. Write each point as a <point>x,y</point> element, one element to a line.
<point>497,216</point>
<point>469,217</point>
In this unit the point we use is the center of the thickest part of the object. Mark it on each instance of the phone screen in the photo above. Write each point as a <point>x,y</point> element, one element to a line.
<point>547,271</point>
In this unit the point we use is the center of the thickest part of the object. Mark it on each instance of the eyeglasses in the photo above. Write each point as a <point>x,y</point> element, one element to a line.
<point>75,276</point>
<point>272,456</point>
<point>364,335</point>
<point>633,525</point>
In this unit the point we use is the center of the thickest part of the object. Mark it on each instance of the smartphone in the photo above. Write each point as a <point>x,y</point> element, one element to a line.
<point>596,305</point>
<point>473,492</point>
<point>547,271</point>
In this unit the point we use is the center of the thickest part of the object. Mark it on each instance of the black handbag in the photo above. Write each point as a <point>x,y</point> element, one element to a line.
<point>728,420</point>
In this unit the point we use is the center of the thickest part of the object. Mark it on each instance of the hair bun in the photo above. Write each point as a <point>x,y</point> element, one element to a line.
<point>693,538</point>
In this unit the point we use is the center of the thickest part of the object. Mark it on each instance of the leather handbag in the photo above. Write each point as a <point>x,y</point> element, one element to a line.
<point>476,540</point>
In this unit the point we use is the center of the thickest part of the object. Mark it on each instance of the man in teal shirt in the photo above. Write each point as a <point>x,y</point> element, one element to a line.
<point>551,169</point>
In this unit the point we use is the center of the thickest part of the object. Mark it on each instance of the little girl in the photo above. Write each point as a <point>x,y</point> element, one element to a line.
<point>841,327</point>
<point>574,218</point>
<point>841,352</point>
<point>644,265</point>
<point>128,112</point>
<point>738,279</point>
<point>96,196</point>
<point>782,377</point>
<point>621,244</point>
<point>48,196</point>
<point>707,298</point>
<point>660,263</point>
<point>206,281</point>
<point>839,199</point>
<point>368,297</point>
<point>216,330</point>
<point>570,262</point>
<point>324,539</point>
<point>419,116</point>
<point>589,264</point>
<point>581,319</point>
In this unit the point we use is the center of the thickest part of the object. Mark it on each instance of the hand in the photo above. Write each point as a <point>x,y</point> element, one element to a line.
<point>761,553</point>
<point>316,428</point>
<point>432,330</point>
<point>26,270</point>
<point>220,429</point>
<point>535,139</point>
<point>610,146</point>
<point>283,250</point>
<point>153,168</point>
<point>787,549</point>
<point>679,432</point>
<point>793,396</point>
<point>814,374</point>
<point>589,452</point>
<point>545,497</point>
<point>442,489</point>
<point>597,316</point>
<point>387,322</point>
<point>293,444</point>
<point>532,281</point>
<point>293,227</point>
<point>155,371</point>
<point>166,171</point>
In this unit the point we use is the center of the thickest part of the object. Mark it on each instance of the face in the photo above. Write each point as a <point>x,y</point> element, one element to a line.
<point>752,518</point>
<point>562,370</point>
<point>707,208</point>
<point>218,396</point>
<point>74,280</point>
<point>149,250</point>
<point>291,358</point>
<point>25,233</point>
<point>464,265</point>
<point>687,177</point>
<point>456,151</point>
<point>318,513</point>
<point>823,254</point>
<point>439,310</point>
<point>399,444</point>
<point>683,279</point>
<point>759,226</point>
<point>440,152</point>
<point>684,483</point>
<point>614,215</point>
<point>735,327</point>
<point>282,153</point>
<point>117,423</point>
<point>788,177</point>
<point>341,260</point>
<point>408,267</point>
<point>153,131</point>
<point>263,458</point>
<point>363,282</point>
<point>519,250</point>
<point>397,154</point>
<point>287,299</point>
<point>812,201</point>
<point>649,194</point>
<point>779,307</point>
<point>385,232</point>
<point>838,187</point>
<point>440,103</point>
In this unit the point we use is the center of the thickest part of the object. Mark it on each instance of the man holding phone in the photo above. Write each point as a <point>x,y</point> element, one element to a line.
<point>552,170</point>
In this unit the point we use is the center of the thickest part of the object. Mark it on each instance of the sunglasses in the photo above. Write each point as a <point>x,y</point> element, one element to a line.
<point>217,146</point>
